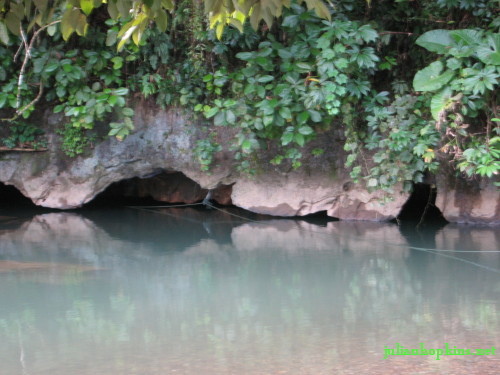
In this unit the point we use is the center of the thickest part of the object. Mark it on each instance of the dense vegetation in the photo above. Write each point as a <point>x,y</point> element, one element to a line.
<point>411,84</point>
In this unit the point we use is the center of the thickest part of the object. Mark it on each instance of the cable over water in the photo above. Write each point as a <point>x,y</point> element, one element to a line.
<point>439,252</point>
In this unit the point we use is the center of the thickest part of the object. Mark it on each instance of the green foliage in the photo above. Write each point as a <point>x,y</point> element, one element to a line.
<point>279,85</point>
<point>399,143</point>
<point>482,159</point>
<point>463,98</point>
<point>24,135</point>
<point>75,140</point>
<point>205,150</point>
<point>87,84</point>
<point>135,16</point>
<point>289,89</point>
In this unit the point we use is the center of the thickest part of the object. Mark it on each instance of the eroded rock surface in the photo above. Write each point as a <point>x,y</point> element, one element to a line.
<point>468,201</point>
<point>162,147</point>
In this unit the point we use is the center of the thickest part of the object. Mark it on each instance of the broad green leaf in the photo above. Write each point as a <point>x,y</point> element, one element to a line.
<point>440,101</point>
<point>261,91</point>
<point>285,54</point>
<point>304,66</point>
<point>142,21</point>
<point>303,117</point>
<point>468,36</point>
<point>315,115</point>
<point>126,35</point>
<point>320,8</point>
<point>245,55</point>
<point>220,81</point>
<point>367,33</point>
<point>230,117</point>
<point>268,120</point>
<point>41,5</point>
<point>112,99</point>
<point>286,138</point>
<point>211,112</point>
<point>13,23</point>
<point>236,23</point>
<point>453,63</point>
<point>128,112</point>
<point>265,79</point>
<point>167,4</point>
<point>430,78</point>
<point>490,53</point>
<point>69,22</point>
<point>51,30</point>
<point>111,37</point>
<point>246,145</point>
<point>3,99</point>
<point>121,91</point>
<point>17,9</point>
<point>117,62</point>
<point>437,41</point>
<point>113,10</point>
<point>285,113</point>
<point>219,119</point>
<point>51,66</point>
<point>299,139</point>
<point>219,30</point>
<point>4,35</point>
<point>306,130</point>
<point>161,20</point>
<point>57,108</point>
<point>87,6</point>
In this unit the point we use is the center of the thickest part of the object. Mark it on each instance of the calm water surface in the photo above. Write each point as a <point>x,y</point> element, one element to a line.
<point>189,291</point>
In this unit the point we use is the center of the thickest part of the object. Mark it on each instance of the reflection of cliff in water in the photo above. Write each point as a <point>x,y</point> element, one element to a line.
<point>180,225</point>
<point>276,295</point>
<point>127,230</point>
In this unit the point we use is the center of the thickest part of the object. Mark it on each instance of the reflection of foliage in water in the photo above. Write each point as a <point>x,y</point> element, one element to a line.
<point>15,327</point>
<point>479,317</point>
<point>83,321</point>
<point>303,303</point>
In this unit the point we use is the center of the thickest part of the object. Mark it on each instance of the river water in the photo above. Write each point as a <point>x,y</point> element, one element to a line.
<point>192,291</point>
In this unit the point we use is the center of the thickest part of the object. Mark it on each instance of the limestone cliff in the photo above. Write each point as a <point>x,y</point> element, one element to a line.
<point>162,145</point>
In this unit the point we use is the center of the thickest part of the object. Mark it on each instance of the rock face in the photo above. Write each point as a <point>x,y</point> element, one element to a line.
<point>160,157</point>
<point>298,194</point>
<point>467,201</point>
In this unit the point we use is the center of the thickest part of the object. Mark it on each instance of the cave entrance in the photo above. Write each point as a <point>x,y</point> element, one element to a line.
<point>162,188</point>
<point>15,208</point>
<point>420,208</point>
<point>11,197</point>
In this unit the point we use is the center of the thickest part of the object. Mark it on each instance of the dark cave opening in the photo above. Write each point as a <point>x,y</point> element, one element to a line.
<point>15,208</point>
<point>10,197</point>
<point>420,208</point>
<point>320,218</point>
<point>163,188</point>
<point>174,188</point>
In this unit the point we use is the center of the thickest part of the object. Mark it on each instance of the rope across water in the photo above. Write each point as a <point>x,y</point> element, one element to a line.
<point>428,250</point>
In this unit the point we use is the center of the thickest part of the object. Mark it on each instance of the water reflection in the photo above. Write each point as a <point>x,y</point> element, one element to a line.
<point>189,292</point>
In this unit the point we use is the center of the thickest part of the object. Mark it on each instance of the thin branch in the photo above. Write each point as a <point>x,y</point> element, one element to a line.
<point>18,51</point>
<point>21,149</point>
<point>27,56</point>
<point>37,98</point>
<point>25,108</point>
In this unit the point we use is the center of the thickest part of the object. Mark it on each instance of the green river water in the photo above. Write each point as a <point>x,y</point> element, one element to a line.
<point>196,291</point>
